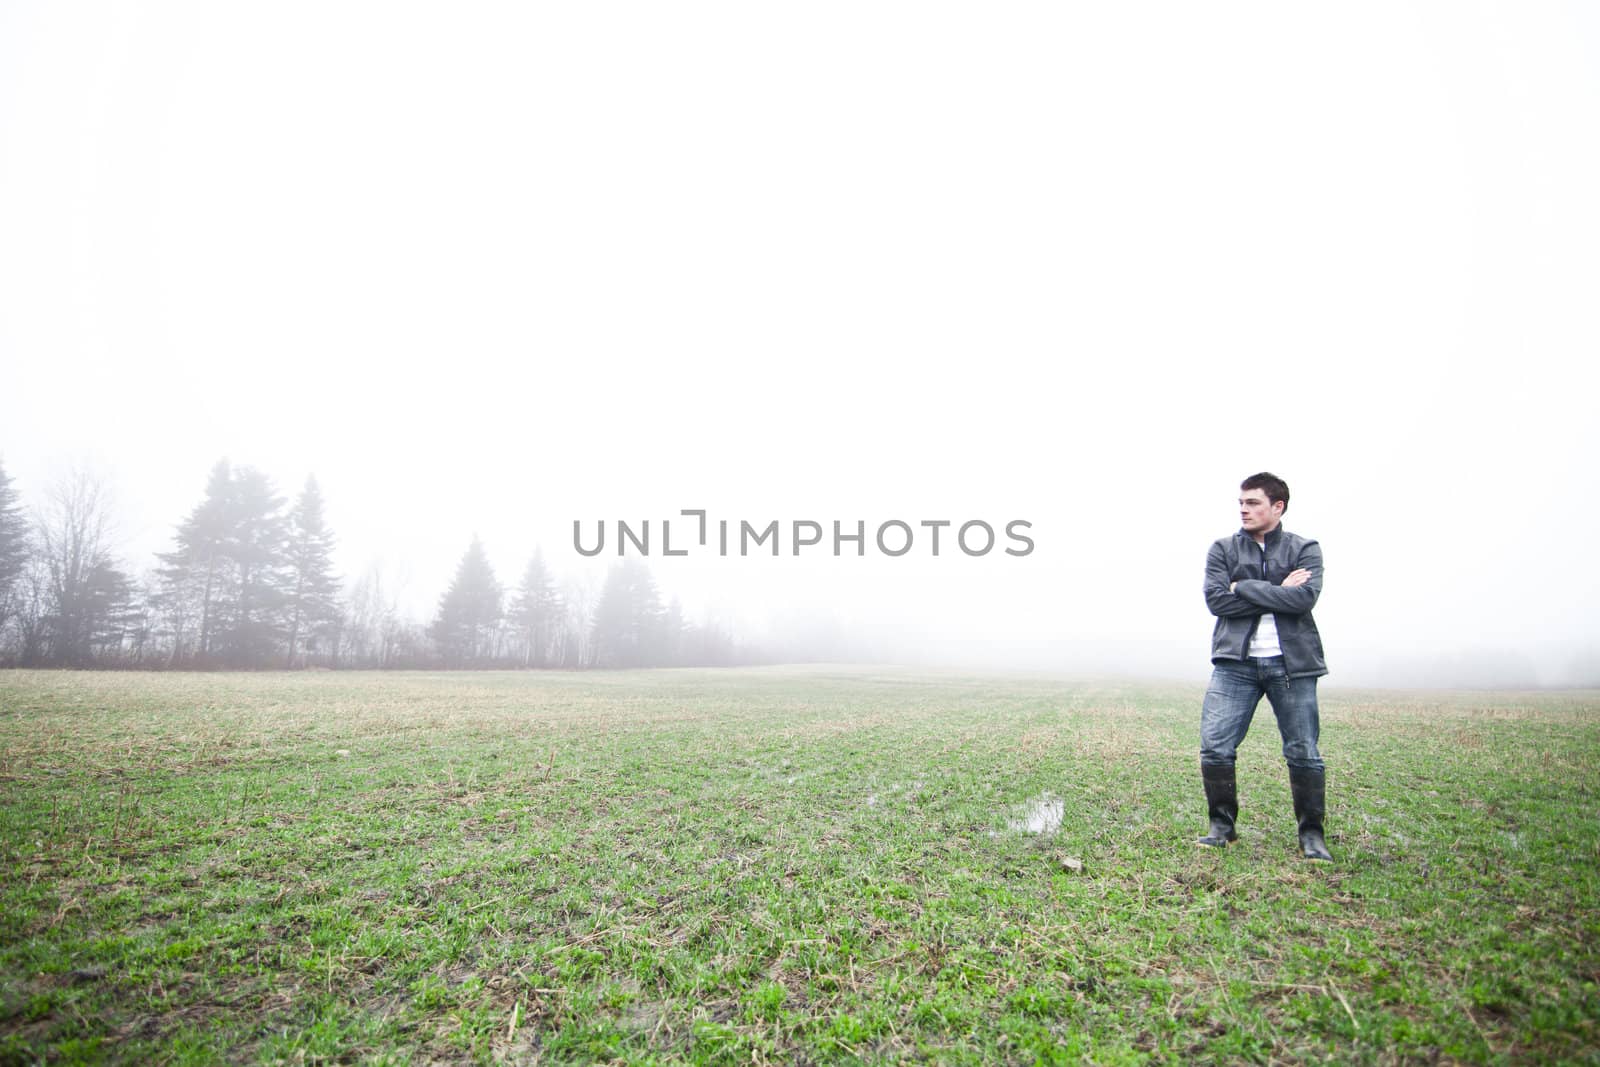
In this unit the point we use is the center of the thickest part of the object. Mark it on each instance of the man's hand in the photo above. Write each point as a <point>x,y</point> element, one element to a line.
<point>1299,577</point>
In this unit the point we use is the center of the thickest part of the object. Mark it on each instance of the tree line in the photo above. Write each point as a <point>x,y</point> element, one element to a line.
<point>250,583</point>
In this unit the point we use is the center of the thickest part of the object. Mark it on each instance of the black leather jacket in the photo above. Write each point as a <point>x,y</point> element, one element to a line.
<point>1258,570</point>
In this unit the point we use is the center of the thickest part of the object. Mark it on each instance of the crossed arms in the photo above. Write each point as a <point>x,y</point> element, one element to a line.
<point>1252,596</point>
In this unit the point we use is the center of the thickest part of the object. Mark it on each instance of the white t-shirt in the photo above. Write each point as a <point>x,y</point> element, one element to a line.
<point>1264,642</point>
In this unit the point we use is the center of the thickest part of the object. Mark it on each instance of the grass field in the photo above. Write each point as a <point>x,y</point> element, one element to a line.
<point>786,865</point>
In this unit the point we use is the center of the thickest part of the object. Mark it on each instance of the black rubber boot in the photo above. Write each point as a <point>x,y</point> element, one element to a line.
<point>1310,804</point>
<point>1222,804</point>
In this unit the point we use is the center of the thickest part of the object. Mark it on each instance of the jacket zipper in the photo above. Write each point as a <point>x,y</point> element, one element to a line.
<point>1255,622</point>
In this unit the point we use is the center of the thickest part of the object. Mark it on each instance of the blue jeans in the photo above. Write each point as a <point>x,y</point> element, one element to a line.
<point>1231,699</point>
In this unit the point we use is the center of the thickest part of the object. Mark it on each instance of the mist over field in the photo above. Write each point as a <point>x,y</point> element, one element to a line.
<point>493,273</point>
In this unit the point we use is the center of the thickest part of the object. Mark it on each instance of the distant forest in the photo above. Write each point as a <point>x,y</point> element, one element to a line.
<point>249,584</point>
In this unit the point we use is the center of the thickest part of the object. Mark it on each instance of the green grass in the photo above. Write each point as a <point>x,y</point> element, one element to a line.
<point>795,865</point>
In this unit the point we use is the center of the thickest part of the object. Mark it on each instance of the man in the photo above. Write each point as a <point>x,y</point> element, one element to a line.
<point>1261,584</point>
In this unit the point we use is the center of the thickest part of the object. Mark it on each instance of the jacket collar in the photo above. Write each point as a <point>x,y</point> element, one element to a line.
<point>1273,537</point>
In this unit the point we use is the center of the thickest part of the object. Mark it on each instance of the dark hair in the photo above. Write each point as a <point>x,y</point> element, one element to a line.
<point>1275,487</point>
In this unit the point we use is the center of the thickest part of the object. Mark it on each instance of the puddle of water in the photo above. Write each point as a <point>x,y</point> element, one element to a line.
<point>1041,815</point>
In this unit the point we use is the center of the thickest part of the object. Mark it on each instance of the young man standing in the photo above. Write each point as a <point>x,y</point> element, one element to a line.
<point>1261,584</point>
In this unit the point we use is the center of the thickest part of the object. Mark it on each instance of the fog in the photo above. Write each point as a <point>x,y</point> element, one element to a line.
<point>494,271</point>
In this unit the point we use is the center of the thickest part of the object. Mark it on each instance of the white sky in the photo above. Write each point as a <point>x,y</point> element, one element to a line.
<point>492,268</point>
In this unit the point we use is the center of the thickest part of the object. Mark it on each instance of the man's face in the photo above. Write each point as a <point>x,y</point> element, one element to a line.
<point>1256,514</point>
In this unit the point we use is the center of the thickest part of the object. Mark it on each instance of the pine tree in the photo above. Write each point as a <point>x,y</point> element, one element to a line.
<point>193,574</point>
<point>469,611</point>
<point>311,606</point>
<point>110,610</point>
<point>672,635</point>
<point>14,544</point>
<point>227,579</point>
<point>256,540</point>
<point>536,611</point>
<point>628,620</point>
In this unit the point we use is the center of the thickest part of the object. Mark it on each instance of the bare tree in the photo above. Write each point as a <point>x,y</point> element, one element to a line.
<point>75,533</point>
<point>373,633</point>
<point>363,617</point>
<point>142,625</point>
<point>578,594</point>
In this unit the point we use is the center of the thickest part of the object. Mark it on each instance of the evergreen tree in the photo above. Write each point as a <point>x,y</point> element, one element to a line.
<point>312,606</point>
<point>469,611</point>
<point>628,620</point>
<point>256,538</point>
<point>536,611</point>
<point>30,619</point>
<point>111,615</point>
<point>227,581</point>
<point>14,545</point>
<point>672,635</point>
<point>193,574</point>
